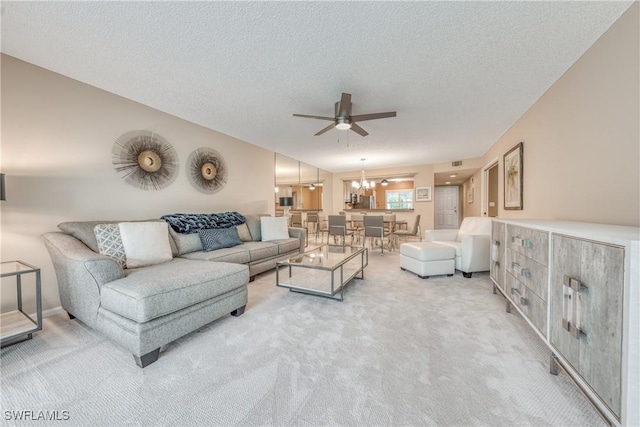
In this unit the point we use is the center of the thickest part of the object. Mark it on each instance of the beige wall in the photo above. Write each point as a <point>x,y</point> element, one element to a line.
<point>581,138</point>
<point>57,136</point>
<point>474,207</point>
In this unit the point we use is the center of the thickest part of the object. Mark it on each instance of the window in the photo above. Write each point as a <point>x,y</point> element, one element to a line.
<point>399,199</point>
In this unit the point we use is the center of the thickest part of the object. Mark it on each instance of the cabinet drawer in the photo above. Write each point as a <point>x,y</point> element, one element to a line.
<point>497,265</point>
<point>531,243</point>
<point>534,308</point>
<point>529,272</point>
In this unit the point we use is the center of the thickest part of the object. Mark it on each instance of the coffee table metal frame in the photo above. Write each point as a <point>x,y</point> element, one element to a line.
<point>336,292</point>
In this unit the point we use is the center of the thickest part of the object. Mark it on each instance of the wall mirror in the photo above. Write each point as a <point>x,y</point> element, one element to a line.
<point>303,186</point>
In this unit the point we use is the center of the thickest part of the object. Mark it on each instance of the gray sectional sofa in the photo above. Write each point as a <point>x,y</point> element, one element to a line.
<point>144,308</point>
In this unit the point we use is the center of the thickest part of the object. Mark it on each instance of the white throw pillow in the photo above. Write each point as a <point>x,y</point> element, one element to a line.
<point>274,228</point>
<point>145,243</point>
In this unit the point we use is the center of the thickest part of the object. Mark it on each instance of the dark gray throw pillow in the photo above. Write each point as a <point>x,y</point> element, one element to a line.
<point>218,238</point>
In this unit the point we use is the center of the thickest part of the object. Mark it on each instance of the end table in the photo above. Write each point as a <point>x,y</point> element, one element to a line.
<point>17,326</point>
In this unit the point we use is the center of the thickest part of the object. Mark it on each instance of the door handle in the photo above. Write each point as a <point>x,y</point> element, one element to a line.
<point>571,310</point>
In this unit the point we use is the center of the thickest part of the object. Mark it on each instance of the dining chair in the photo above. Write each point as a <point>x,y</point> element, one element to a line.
<point>312,224</point>
<point>296,220</point>
<point>389,228</point>
<point>414,232</point>
<point>323,227</point>
<point>374,229</point>
<point>338,227</point>
<point>356,224</point>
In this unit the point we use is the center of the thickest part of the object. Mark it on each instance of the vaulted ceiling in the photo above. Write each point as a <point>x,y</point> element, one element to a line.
<point>458,74</point>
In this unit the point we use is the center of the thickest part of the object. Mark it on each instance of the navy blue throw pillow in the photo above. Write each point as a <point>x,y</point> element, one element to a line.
<point>217,238</point>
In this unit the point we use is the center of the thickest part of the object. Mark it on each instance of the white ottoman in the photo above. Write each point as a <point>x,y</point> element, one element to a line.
<point>427,259</point>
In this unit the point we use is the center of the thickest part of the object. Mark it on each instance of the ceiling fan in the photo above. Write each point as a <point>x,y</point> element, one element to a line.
<point>344,120</point>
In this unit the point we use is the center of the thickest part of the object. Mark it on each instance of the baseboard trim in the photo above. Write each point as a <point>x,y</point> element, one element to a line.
<point>52,311</point>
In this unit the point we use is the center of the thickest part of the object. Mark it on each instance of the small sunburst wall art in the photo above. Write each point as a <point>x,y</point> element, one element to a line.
<point>145,160</point>
<point>206,169</point>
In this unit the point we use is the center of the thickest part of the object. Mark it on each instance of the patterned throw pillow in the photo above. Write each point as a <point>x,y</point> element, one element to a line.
<point>110,242</point>
<point>218,238</point>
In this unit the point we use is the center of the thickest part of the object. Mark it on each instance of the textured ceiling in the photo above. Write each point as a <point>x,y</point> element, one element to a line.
<point>459,74</point>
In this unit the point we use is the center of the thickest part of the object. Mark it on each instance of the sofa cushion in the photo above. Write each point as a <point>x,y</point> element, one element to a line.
<point>273,228</point>
<point>145,243</point>
<point>110,243</point>
<point>83,231</point>
<point>259,251</point>
<point>219,238</point>
<point>244,233</point>
<point>151,292</point>
<point>287,245</point>
<point>186,243</point>
<point>237,254</point>
<point>253,222</point>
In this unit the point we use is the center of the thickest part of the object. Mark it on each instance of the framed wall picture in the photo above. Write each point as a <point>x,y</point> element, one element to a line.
<point>513,178</point>
<point>423,194</point>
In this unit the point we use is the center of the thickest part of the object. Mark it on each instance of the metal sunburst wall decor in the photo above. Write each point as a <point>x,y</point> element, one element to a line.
<point>207,170</point>
<point>145,159</point>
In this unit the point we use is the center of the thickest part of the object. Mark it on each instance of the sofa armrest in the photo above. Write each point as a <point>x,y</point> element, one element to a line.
<point>476,253</point>
<point>80,273</point>
<point>299,233</point>
<point>440,235</point>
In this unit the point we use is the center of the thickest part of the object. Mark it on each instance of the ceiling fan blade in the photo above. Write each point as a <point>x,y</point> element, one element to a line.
<point>357,129</point>
<point>328,128</point>
<point>372,116</point>
<point>345,106</point>
<point>314,117</point>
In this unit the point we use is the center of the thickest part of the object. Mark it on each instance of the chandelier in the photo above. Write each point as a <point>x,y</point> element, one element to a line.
<point>363,184</point>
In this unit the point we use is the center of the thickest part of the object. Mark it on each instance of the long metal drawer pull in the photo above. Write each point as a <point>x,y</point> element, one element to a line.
<point>525,243</point>
<point>524,272</point>
<point>495,252</point>
<point>571,289</point>
<point>567,303</point>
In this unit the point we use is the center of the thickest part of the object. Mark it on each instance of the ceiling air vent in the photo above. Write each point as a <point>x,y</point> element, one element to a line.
<point>457,163</point>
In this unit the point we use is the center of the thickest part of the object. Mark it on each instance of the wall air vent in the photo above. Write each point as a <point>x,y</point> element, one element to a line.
<point>457,163</point>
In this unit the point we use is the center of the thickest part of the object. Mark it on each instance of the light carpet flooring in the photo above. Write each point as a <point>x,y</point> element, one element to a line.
<point>399,351</point>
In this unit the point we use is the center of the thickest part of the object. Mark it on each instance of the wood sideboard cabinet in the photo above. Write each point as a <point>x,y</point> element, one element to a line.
<point>578,286</point>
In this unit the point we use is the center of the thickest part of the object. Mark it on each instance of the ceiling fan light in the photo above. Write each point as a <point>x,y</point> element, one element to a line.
<point>343,126</point>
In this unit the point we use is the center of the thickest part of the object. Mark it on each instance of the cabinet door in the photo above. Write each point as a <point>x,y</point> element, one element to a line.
<point>497,253</point>
<point>596,351</point>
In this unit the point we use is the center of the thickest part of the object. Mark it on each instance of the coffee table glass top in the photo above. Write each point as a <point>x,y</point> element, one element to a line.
<point>324,257</point>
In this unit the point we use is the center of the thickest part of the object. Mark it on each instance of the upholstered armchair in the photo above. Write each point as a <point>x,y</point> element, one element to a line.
<point>472,243</point>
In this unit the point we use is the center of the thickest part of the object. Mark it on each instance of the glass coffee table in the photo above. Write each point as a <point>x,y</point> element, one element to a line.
<point>324,271</point>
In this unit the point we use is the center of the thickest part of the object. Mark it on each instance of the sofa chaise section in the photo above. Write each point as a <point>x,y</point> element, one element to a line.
<point>145,308</point>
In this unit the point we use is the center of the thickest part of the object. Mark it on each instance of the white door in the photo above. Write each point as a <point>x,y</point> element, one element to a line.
<point>446,207</point>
